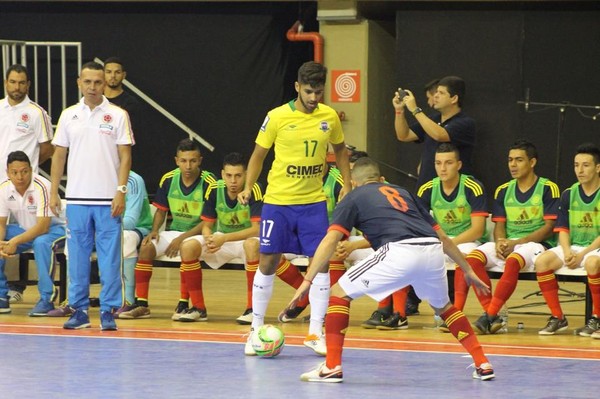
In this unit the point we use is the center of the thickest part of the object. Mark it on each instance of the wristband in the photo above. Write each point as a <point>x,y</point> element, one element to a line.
<point>399,112</point>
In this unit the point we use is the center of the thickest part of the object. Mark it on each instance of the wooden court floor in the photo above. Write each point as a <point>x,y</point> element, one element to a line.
<point>225,294</point>
<point>225,299</point>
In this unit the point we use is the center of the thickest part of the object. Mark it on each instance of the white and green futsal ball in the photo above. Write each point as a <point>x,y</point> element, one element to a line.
<point>268,341</point>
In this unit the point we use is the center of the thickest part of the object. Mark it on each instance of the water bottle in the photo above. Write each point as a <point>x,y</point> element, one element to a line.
<point>504,317</point>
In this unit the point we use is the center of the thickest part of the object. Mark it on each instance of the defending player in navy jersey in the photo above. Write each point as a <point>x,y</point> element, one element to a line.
<point>409,249</point>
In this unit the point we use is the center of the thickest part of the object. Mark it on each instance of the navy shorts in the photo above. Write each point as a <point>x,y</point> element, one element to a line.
<point>296,229</point>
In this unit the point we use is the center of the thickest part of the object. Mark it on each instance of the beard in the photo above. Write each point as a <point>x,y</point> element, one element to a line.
<point>17,96</point>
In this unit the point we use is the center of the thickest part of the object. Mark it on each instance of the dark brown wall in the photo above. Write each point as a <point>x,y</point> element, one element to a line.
<point>502,52</point>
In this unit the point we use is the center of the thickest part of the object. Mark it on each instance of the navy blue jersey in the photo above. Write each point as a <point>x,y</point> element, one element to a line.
<point>384,213</point>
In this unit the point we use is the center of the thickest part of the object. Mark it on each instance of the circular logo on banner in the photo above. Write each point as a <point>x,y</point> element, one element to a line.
<point>345,85</point>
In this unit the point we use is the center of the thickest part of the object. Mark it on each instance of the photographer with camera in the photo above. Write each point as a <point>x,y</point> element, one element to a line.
<point>450,125</point>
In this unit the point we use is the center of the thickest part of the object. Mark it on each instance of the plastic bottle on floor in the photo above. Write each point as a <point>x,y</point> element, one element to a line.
<point>504,316</point>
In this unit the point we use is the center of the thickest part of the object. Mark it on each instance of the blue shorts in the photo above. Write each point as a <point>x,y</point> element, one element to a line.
<point>296,229</point>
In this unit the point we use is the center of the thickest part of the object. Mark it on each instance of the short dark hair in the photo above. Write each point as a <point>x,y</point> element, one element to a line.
<point>590,149</point>
<point>312,73</point>
<point>19,156</point>
<point>448,147</point>
<point>356,155</point>
<point>114,60</point>
<point>94,66</point>
<point>365,169</point>
<point>235,159</point>
<point>526,146</point>
<point>18,68</point>
<point>455,86</point>
<point>188,145</point>
<point>431,86</point>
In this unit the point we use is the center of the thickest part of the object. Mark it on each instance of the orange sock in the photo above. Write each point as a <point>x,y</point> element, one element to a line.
<point>594,284</point>
<point>549,287</point>
<point>289,273</point>
<point>143,274</point>
<point>337,320</point>
<point>478,260</point>
<point>460,327</point>
<point>507,283</point>
<point>193,280</point>
<point>337,268</point>
<point>461,289</point>
<point>399,301</point>
<point>251,267</point>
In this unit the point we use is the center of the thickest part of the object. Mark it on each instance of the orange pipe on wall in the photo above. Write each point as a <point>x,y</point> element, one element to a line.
<point>294,35</point>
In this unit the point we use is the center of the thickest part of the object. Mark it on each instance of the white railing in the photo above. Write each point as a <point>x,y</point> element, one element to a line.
<point>41,60</point>
<point>192,134</point>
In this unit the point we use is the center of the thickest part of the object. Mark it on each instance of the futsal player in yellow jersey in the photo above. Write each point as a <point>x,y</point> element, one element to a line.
<point>294,214</point>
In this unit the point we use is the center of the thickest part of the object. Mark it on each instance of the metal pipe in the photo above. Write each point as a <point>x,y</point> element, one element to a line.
<point>35,73</point>
<point>49,75</point>
<point>295,34</point>
<point>63,71</point>
<point>13,58</point>
<point>79,62</point>
<point>23,55</point>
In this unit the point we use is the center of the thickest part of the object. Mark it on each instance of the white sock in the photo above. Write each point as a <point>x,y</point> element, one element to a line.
<point>319,300</point>
<point>262,289</point>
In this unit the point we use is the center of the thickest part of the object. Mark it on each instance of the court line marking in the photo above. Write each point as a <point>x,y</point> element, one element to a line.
<point>296,340</point>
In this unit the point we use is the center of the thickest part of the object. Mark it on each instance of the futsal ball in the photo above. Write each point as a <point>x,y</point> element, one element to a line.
<point>268,341</point>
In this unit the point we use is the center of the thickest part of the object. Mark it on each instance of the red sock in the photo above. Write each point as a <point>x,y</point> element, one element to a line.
<point>184,294</point>
<point>399,300</point>
<point>460,327</point>
<point>594,284</point>
<point>303,302</point>
<point>507,283</point>
<point>337,268</point>
<point>193,281</point>
<point>251,267</point>
<point>549,287</point>
<point>337,320</point>
<point>143,274</point>
<point>385,303</point>
<point>289,273</point>
<point>461,289</point>
<point>478,260</point>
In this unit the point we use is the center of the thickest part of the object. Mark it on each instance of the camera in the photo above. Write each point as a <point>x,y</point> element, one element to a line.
<point>402,93</point>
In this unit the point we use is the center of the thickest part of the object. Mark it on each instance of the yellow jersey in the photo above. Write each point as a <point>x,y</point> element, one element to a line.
<point>301,141</point>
